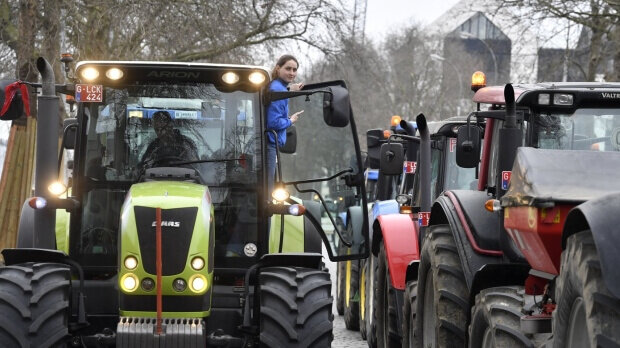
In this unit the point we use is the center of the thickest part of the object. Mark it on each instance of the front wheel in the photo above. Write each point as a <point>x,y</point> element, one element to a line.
<point>295,308</point>
<point>442,308</point>
<point>34,302</point>
<point>408,330</point>
<point>351,295</point>
<point>496,319</point>
<point>386,316</point>
<point>586,314</point>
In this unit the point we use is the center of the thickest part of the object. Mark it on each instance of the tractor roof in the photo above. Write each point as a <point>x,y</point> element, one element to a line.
<point>135,71</point>
<point>495,94</point>
<point>156,64</point>
<point>445,127</point>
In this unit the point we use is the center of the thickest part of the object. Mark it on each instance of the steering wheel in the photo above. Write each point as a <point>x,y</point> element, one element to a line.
<point>102,237</point>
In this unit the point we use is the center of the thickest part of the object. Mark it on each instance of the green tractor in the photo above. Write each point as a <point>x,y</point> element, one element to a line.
<point>178,244</point>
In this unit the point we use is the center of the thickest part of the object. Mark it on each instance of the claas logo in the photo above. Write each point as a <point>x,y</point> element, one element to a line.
<point>167,224</point>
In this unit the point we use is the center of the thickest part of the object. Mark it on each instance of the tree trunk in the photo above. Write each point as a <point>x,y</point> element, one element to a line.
<point>16,180</point>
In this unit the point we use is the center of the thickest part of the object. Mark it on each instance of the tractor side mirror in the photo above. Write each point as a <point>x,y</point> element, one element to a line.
<point>392,157</point>
<point>468,146</point>
<point>69,126</point>
<point>374,139</point>
<point>15,107</point>
<point>336,107</point>
<point>291,140</point>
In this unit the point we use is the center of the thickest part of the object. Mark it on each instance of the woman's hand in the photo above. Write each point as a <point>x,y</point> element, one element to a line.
<point>296,86</point>
<point>294,117</point>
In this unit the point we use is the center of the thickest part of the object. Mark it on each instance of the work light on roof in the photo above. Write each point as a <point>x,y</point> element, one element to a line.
<point>230,78</point>
<point>90,73</point>
<point>478,80</point>
<point>562,99</point>
<point>114,73</point>
<point>544,99</point>
<point>256,78</point>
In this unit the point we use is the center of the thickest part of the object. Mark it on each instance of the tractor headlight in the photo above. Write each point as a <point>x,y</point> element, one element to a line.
<point>129,282</point>
<point>280,194</point>
<point>90,73</point>
<point>198,283</point>
<point>179,285</point>
<point>148,284</point>
<point>230,78</point>
<point>131,262</point>
<point>114,73</point>
<point>57,188</point>
<point>257,78</point>
<point>197,263</point>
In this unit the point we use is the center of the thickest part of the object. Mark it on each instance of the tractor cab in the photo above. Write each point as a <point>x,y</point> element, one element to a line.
<point>169,213</point>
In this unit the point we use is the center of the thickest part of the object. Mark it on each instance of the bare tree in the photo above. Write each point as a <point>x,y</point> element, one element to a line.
<point>600,18</point>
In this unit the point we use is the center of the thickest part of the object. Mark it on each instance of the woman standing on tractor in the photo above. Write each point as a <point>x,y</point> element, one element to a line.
<point>283,75</point>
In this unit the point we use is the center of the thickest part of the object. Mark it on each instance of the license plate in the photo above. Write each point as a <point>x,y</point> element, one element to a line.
<point>89,93</point>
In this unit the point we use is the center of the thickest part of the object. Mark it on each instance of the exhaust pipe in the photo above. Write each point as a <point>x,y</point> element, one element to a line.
<point>510,138</point>
<point>424,170</point>
<point>47,156</point>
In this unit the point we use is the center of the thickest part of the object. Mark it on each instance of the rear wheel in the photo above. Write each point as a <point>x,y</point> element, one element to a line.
<point>351,295</point>
<point>371,324</point>
<point>34,302</point>
<point>363,295</point>
<point>408,330</point>
<point>442,308</point>
<point>586,314</point>
<point>386,316</point>
<point>295,308</point>
<point>496,319</point>
<point>340,287</point>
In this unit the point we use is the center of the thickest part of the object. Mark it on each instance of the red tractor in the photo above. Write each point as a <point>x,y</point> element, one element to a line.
<point>531,251</point>
<point>395,236</point>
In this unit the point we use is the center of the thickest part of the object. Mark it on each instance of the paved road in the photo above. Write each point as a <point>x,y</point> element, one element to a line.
<point>343,338</point>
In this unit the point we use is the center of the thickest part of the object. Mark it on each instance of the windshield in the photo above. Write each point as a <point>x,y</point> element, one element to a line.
<point>456,177</point>
<point>149,129</point>
<point>139,127</point>
<point>585,129</point>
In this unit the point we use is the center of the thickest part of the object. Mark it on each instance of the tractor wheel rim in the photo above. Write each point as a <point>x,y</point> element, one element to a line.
<point>363,294</point>
<point>347,283</point>
<point>371,293</point>
<point>386,311</point>
<point>577,325</point>
<point>428,318</point>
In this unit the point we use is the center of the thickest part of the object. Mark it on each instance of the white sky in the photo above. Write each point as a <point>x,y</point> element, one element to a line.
<point>383,16</point>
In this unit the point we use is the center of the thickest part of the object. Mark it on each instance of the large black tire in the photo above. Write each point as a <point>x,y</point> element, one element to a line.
<point>496,319</point>
<point>441,283</point>
<point>371,324</point>
<point>363,295</point>
<point>295,308</point>
<point>351,296</point>
<point>340,288</point>
<point>580,285</point>
<point>386,315</point>
<point>34,305</point>
<point>408,329</point>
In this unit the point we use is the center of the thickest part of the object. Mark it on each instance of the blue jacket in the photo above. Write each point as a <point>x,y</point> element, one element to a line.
<point>277,114</point>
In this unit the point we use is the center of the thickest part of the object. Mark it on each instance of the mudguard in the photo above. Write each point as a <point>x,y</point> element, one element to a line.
<point>379,208</point>
<point>400,240</point>
<point>464,222</point>
<point>601,216</point>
